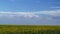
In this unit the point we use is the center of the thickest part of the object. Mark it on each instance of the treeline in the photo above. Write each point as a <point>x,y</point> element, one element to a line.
<point>33,32</point>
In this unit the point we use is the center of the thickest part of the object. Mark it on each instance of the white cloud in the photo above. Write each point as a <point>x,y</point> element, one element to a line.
<point>30,14</point>
<point>24,14</point>
<point>53,12</point>
<point>30,17</point>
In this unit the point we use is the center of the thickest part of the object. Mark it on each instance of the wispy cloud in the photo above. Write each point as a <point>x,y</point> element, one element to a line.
<point>38,17</point>
<point>31,14</point>
<point>53,12</point>
<point>24,14</point>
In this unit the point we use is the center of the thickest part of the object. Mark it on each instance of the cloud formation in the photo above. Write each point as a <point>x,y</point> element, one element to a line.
<point>39,17</point>
<point>53,12</point>
<point>20,14</point>
<point>31,14</point>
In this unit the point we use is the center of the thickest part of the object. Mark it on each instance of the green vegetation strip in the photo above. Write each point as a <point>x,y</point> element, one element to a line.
<point>29,29</point>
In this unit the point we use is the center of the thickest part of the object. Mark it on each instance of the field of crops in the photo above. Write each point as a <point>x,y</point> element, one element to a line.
<point>29,29</point>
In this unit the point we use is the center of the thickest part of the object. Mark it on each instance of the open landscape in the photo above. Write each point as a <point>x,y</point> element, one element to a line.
<point>29,16</point>
<point>29,29</point>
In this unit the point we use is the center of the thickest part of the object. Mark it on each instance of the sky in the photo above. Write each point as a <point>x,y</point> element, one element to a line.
<point>30,12</point>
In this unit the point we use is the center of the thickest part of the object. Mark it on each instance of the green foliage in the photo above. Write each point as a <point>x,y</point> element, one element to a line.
<point>29,29</point>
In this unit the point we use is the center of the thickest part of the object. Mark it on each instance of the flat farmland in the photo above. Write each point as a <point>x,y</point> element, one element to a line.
<point>29,29</point>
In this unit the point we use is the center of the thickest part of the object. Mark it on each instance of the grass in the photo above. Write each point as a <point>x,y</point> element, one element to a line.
<point>27,28</point>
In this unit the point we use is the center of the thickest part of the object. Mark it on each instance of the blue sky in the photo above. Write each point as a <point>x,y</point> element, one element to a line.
<point>28,5</point>
<point>45,12</point>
